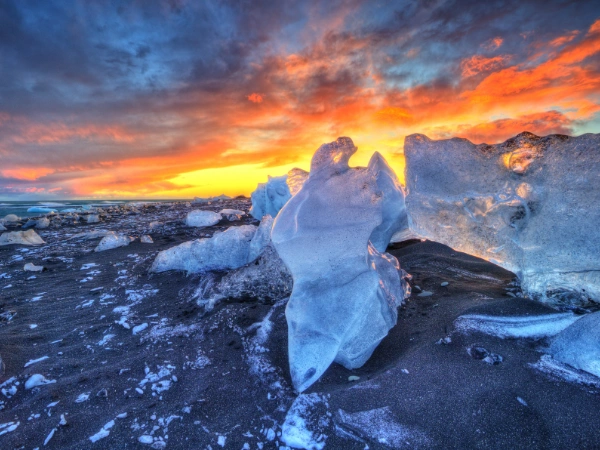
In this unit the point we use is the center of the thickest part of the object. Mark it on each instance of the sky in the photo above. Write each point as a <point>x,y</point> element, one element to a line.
<point>176,99</point>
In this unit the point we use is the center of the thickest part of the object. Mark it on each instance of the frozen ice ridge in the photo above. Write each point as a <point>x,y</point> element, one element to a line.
<point>331,235</point>
<point>228,250</point>
<point>269,197</point>
<point>529,205</point>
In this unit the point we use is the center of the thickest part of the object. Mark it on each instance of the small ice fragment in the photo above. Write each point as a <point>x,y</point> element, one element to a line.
<point>145,439</point>
<point>50,435</point>
<point>221,441</point>
<point>37,380</point>
<point>405,371</point>
<point>444,284</point>
<point>100,435</point>
<point>122,415</point>
<point>139,328</point>
<point>425,294</point>
<point>199,218</point>
<point>53,404</point>
<point>145,239</point>
<point>522,402</point>
<point>32,326</point>
<point>139,391</point>
<point>82,397</point>
<point>63,420</point>
<point>353,378</point>
<point>34,361</point>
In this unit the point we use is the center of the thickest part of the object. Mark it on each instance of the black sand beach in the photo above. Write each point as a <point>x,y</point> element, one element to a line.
<point>210,379</point>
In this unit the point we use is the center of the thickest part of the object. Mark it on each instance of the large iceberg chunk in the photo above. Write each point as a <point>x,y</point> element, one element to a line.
<point>269,197</point>
<point>346,292</point>
<point>228,250</point>
<point>529,205</point>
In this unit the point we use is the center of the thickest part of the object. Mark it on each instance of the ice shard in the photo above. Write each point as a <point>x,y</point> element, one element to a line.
<point>529,205</point>
<point>346,292</point>
<point>269,197</point>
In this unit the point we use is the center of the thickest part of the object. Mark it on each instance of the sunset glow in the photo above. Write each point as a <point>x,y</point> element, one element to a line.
<point>180,99</point>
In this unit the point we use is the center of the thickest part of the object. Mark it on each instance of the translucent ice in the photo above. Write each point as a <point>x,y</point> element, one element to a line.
<point>112,240</point>
<point>579,345</point>
<point>529,205</point>
<point>269,197</point>
<point>346,292</point>
<point>28,237</point>
<point>198,218</point>
<point>228,250</point>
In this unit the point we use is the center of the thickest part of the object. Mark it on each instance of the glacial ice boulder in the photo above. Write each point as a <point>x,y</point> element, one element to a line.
<point>269,197</point>
<point>200,200</point>
<point>529,205</point>
<point>226,250</point>
<point>346,292</point>
<point>199,218</point>
<point>28,237</point>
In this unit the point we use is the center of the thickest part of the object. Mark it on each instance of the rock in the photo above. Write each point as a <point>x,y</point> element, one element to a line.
<point>346,293</point>
<point>145,239</point>
<point>29,237</point>
<point>112,240</point>
<point>529,205</point>
<point>154,225</point>
<point>198,218</point>
<point>29,267</point>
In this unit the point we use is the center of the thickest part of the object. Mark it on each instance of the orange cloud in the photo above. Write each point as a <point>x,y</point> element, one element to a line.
<point>255,98</point>
<point>478,64</point>
<point>493,44</point>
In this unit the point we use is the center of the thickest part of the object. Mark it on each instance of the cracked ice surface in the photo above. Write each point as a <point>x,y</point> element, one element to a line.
<point>529,205</point>
<point>346,292</point>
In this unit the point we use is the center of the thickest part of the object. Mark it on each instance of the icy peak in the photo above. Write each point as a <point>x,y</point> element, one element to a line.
<point>332,157</point>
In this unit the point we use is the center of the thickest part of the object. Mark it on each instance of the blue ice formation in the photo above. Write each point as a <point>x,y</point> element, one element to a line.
<point>332,236</point>
<point>269,197</point>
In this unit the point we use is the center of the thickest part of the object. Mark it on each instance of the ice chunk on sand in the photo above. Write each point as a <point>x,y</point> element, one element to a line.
<point>269,197</point>
<point>2,227</point>
<point>579,344</point>
<point>28,237</point>
<point>146,239</point>
<point>228,250</point>
<point>112,240</point>
<point>346,292</point>
<point>11,218</point>
<point>93,218</point>
<point>304,422</point>
<point>37,380</point>
<point>199,218</point>
<point>529,205</point>
<point>30,267</point>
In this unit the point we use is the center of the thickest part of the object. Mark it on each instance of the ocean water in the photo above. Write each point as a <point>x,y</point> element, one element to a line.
<point>20,208</point>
